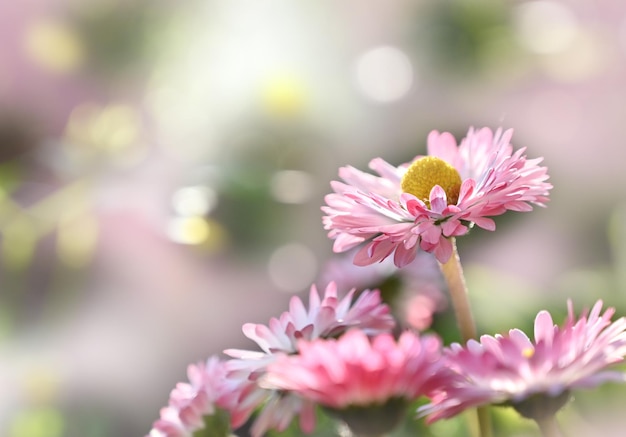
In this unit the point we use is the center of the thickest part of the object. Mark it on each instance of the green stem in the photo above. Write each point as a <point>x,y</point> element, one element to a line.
<point>453,274</point>
<point>549,427</point>
<point>484,421</point>
<point>457,288</point>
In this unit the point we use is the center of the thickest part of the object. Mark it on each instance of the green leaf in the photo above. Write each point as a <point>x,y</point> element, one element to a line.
<point>217,425</point>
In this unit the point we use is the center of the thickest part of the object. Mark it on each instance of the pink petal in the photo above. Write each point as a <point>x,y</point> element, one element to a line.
<point>544,328</point>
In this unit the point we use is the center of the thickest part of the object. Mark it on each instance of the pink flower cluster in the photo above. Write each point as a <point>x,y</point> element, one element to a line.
<point>325,318</point>
<point>301,365</point>
<point>233,384</point>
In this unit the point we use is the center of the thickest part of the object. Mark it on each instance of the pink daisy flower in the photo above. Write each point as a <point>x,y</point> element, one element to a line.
<point>534,377</point>
<point>190,402</point>
<point>422,204</point>
<point>366,382</point>
<point>325,317</point>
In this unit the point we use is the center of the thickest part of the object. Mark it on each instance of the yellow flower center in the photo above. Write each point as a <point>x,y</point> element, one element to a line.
<point>427,172</point>
<point>528,352</point>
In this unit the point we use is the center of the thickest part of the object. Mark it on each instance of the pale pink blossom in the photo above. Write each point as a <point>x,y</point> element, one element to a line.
<point>190,401</point>
<point>327,316</point>
<point>374,211</point>
<point>513,369</point>
<point>355,370</point>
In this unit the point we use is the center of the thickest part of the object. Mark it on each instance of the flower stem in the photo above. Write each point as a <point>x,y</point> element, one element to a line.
<point>549,427</point>
<point>457,288</point>
<point>453,274</point>
<point>484,421</point>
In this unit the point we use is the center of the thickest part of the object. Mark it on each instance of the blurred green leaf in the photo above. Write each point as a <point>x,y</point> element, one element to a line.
<point>216,425</point>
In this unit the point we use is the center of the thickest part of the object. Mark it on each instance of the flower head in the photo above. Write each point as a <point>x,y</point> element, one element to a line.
<point>191,401</point>
<point>515,370</point>
<point>422,204</point>
<point>325,317</point>
<point>356,370</point>
<point>358,377</point>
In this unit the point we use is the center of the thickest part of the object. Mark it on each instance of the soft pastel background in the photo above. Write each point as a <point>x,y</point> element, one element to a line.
<point>162,165</point>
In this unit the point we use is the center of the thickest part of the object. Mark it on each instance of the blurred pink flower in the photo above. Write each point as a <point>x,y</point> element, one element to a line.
<point>421,306</point>
<point>423,203</point>
<point>524,374</point>
<point>190,402</point>
<point>325,317</point>
<point>365,382</point>
<point>415,292</point>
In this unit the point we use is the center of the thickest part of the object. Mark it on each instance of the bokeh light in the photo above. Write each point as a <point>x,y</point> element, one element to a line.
<point>292,186</point>
<point>54,46</point>
<point>194,201</point>
<point>545,27</point>
<point>189,230</point>
<point>292,267</point>
<point>111,132</point>
<point>384,74</point>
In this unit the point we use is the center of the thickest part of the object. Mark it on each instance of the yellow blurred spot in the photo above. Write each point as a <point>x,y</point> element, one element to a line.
<point>40,422</point>
<point>54,46</point>
<point>113,127</point>
<point>217,238</point>
<point>197,231</point>
<point>18,243</point>
<point>528,352</point>
<point>284,96</point>
<point>189,230</point>
<point>40,385</point>
<point>76,241</point>
<point>117,126</point>
<point>114,130</point>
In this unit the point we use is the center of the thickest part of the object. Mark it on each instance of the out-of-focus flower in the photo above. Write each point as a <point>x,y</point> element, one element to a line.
<point>415,292</point>
<point>533,377</point>
<point>325,317</point>
<point>424,203</point>
<point>421,306</point>
<point>190,402</point>
<point>368,383</point>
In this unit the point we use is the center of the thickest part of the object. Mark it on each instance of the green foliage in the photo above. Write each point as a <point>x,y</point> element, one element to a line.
<point>464,36</point>
<point>217,425</point>
<point>325,427</point>
<point>122,36</point>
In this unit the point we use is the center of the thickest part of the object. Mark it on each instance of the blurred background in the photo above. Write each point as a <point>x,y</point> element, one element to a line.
<point>162,166</point>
